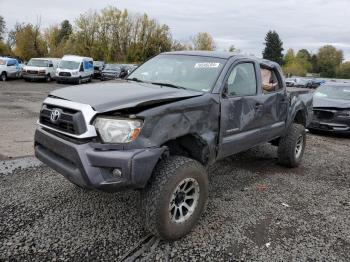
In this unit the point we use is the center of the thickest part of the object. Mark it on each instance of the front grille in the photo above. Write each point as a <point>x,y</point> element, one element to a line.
<point>323,114</point>
<point>70,121</point>
<point>32,72</point>
<point>64,74</point>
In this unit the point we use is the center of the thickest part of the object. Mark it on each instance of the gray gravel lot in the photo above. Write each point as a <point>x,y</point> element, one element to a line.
<point>257,211</point>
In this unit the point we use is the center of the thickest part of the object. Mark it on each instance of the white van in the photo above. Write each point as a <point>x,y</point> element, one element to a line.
<point>40,68</point>
<point>75,69</point>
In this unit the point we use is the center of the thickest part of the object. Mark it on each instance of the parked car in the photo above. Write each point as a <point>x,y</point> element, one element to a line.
<point>331,107</point>
<point>40,69</point>
<point>110,71</point>
<point>124,71</point>
<point>159,130</point>
<point>290,82</point>
<point>9,68</point>
<point>98,68</point>
<point>75,69</point>
<point>314,83</point>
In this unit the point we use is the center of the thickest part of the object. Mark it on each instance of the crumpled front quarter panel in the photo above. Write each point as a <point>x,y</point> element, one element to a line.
<point>197,116</point>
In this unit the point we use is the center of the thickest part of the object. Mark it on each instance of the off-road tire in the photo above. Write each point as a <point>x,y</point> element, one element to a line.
<point>156,197</point>
<point>3,76</point>
<point>287,149</point>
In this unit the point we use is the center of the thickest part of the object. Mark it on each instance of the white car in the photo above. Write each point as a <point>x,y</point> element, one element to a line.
<point>75,69</point>
<point>9,68</point>
<point>40,68</point>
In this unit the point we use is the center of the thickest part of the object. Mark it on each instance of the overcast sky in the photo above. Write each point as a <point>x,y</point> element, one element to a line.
<point>243,23</point>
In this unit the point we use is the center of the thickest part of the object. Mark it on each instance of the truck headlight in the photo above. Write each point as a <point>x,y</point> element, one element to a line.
<point>114,130</point>
<point>344,114</point>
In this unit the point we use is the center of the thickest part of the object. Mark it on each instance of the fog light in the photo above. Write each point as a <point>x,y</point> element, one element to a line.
<point>116,172</point>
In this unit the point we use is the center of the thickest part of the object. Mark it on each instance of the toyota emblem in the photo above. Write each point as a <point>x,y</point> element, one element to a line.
<point>55,115</point>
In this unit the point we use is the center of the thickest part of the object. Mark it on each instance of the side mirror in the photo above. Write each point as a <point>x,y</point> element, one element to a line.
<point>225,91</point>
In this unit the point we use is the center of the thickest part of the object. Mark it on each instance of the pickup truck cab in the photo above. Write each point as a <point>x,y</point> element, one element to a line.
<point>159,130</point>
<point>9,68</point>
<point>40,69</point>
<point>75,69</point>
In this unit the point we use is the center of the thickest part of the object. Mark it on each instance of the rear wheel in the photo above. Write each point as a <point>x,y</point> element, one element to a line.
<point>3,76</point>
<point>175,197</point>
<point>292,146</point>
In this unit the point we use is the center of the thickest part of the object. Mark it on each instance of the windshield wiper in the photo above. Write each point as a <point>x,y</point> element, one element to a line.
<point>169,85</point>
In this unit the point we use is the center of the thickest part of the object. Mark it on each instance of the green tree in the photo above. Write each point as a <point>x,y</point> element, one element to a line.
<point>178,46</point>
<point>314,64</point>
<point>289,57</point>
<point>303,54</point>
<point>344,70</point>
<point>273,47</point>
<point>329,59</point>
<point>2,28</point>
<point>65,31</point>
<point>28,41</point>
<point>203,41</point>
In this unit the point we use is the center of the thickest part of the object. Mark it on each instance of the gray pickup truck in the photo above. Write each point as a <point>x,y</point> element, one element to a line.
<point>159,130</point>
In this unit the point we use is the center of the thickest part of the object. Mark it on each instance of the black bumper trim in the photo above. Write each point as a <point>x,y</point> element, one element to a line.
<point>91,168</point>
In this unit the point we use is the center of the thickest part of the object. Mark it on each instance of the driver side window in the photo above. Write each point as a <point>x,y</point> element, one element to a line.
<point>242,80</point>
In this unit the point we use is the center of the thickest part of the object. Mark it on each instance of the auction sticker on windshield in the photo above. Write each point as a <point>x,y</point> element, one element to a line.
<point>206,65</point>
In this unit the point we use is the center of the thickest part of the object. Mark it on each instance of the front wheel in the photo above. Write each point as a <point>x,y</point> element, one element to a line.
<point>3,77</point>
<point>292,146</point>
<point>175,197</point>
<point>48,78</point>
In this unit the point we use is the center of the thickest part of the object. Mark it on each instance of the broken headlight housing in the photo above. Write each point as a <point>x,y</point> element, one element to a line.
<point>118,130</point>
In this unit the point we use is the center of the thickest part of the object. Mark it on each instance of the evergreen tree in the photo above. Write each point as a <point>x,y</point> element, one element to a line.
<point>273,47</point>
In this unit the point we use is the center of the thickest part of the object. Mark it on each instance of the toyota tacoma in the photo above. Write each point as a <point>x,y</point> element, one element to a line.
<point>158,130</point>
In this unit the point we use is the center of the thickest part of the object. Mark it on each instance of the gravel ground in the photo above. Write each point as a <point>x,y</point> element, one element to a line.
<point>257,211</point>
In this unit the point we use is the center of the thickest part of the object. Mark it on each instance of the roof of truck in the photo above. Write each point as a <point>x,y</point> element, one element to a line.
<point>222,55</point>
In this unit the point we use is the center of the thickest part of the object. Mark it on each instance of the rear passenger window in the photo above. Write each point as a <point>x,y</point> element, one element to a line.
<point>242,80</point>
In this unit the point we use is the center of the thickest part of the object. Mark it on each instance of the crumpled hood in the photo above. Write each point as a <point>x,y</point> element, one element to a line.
<point>327,102</point>
<point>105,97</point>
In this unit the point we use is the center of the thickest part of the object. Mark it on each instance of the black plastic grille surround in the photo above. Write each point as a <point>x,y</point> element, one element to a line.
<point>323,114</point>
<point>65,74</point>
<point>70,121</point>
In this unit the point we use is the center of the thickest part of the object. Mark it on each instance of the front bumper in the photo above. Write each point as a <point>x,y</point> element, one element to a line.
<point>109,76</point>
<point>89,167</point>
<point>330,127</point>
<point>33,77</point>
<point>67,79</point>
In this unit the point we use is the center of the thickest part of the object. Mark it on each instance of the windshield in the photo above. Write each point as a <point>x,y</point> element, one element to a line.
<point>64,64</point>
<point>111,67</point>
<point>38,63</point>
<point>333,92</point>
<point>190,72</point>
